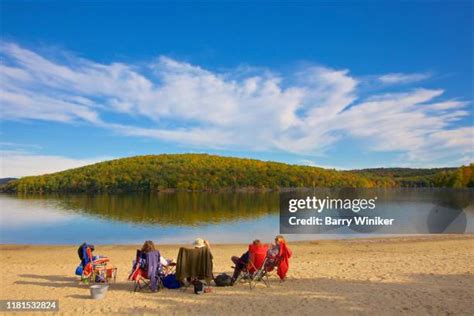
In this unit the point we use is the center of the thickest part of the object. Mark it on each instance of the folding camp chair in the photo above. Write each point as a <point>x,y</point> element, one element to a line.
<point>279,262</point>
<point>254,271</point>
<point>194,264</point>
<point>271,266</point>
<point>139,273</point>
<point>142,282</point>
<point>95,269</point>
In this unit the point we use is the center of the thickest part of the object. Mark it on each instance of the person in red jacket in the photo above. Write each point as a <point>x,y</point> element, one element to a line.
<point>249,256</point>
<point>280,255</point>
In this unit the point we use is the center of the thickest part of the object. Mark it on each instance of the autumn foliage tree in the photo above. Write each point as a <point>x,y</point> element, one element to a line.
<point>202,172</point>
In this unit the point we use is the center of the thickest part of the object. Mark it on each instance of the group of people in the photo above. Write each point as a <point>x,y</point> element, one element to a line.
<point>277,256</point>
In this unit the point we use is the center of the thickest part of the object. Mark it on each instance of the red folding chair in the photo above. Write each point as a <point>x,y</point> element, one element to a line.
<point>254,271</point>
<point>139,273</point>
<point>98,268</point>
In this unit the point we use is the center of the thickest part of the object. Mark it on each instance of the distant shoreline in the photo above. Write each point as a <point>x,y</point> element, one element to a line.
<point>355,239</point>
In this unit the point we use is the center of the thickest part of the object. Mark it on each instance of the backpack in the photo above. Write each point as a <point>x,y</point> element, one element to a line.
<point>81,250</point>
<point>170,282</point>
<point>223,280</point>
<point>198,287</point>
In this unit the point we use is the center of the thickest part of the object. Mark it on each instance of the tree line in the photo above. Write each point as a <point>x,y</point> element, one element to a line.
<point>202,172</point>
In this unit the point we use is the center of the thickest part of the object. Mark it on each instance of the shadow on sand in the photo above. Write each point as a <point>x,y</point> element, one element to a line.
<point>418,293</point>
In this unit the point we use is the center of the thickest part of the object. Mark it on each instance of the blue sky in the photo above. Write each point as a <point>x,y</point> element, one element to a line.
<point>334,84</point>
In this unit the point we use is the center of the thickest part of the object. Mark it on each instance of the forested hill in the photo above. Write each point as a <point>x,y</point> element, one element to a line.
<point>410,177</point>
<point>186,172</point>
<point>196,172</point>
<point>6,180</point>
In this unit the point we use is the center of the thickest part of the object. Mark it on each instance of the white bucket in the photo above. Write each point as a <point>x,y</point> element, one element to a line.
<point>98,291</point>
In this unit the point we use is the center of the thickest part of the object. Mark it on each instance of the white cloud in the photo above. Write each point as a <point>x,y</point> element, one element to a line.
<point>401,78</point>
<point>305,112</point>
<point>20,164</point>
<point>311,163</point>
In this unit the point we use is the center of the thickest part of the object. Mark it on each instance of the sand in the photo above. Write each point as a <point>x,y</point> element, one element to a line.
<point>408,275</point>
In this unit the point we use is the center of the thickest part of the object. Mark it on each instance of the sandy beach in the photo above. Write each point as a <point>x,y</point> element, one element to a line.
<point>408,275</point>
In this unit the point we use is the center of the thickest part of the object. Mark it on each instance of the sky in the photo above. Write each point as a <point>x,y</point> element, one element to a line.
<point>345,85</point>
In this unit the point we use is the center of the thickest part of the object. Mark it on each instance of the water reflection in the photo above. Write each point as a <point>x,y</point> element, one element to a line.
<point>219,217</point>
<point>187,209</point>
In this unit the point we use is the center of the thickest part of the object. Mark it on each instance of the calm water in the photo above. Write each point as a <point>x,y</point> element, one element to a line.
<point>132,218</point>
<point>164,218</point>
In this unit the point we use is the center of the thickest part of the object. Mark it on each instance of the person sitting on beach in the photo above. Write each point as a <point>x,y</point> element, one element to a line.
<point>139,268</point>
<point>199,243</point>
<point>279,255</point>
<point>241,263</point>
<point>195,264</point>
<point>149,246</point>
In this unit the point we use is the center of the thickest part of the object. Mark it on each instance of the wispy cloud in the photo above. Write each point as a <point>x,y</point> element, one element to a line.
<point>311,163</point>
<point>306,112</point>
<point>401,78</point>
<point>20,163</point>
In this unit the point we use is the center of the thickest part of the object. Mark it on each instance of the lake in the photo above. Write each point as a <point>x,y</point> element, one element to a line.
<point>161,217</point>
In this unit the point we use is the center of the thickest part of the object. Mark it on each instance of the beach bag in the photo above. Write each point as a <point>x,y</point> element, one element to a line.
<point>79,270</point>
<point>170,282</point>
<point>198,287</point>
<point>223,280</point>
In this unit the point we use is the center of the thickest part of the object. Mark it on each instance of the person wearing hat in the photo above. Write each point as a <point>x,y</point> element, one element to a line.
<point>199,243</point>
<point>195,263</point>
